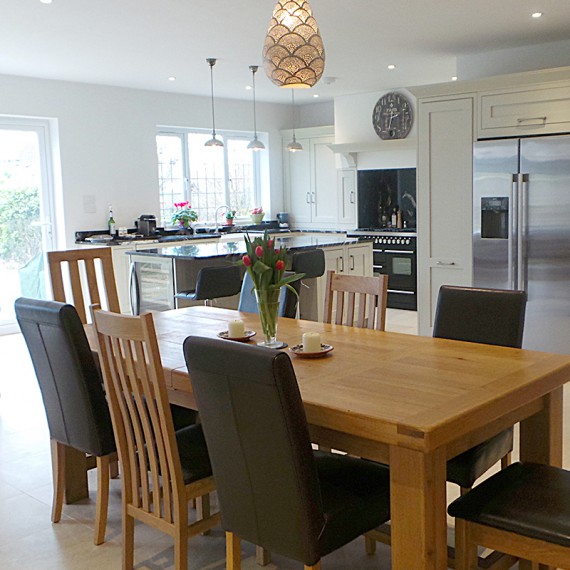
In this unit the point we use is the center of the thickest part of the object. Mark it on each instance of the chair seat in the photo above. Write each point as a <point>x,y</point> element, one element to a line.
<point>355,495</point>
<point>193,454</point>
<point>525,498</point>
<point>466,468</point>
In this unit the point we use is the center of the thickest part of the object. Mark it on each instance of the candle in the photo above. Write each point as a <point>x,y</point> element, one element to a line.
<point>236,329</point>
<point>311,342</point>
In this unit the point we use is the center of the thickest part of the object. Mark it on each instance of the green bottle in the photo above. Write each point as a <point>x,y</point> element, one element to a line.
<point>111,221</point>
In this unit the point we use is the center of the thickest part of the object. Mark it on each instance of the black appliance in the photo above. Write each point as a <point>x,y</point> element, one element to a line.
<point>381,193</point>
<point>394,254</point>
<point>146,224</point>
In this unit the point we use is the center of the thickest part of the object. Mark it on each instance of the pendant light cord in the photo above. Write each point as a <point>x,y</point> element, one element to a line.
<point>293,112</point>
<point>253,71</point>
<point>212,62</point>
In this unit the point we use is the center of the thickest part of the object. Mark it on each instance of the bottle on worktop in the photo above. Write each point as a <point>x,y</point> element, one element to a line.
<point>399,220</point>
<point>111,221</point>
<point>394,219</point>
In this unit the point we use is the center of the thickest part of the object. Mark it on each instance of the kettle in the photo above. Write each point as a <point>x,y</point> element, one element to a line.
<point>146,224</point>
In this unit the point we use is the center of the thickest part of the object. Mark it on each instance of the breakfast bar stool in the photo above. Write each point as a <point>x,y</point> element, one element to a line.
<point>214,283</point>
<point>312,264</point>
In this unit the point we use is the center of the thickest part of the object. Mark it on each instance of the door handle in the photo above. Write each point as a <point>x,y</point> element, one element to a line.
<point>341,264</point>
<point>446,263</point>
<point>351,257</point>
<point>308,198</point>
<point>352,197</point>
<point>134,291</point>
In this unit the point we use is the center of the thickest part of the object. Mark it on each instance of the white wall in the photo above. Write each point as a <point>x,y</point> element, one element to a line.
<point>107,141</point>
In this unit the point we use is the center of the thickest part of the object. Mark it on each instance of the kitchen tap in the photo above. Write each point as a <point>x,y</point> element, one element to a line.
<point>227,208</point>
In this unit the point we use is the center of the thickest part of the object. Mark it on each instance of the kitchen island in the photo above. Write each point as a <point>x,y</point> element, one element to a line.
<point>160,273</point>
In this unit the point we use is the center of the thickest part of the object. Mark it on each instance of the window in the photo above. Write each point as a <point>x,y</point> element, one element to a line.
<point>207,177</point>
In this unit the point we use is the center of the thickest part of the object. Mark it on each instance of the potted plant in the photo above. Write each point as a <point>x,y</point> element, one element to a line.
<point>184,215</point>
<point>257,215</point>
<point>230,215</point>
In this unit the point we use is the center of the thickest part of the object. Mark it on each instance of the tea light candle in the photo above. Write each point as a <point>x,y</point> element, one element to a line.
<point>311,342</point>
<point>236,329</point>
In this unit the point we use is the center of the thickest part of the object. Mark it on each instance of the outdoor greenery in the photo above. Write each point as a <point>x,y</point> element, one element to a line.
<point>19,240</point>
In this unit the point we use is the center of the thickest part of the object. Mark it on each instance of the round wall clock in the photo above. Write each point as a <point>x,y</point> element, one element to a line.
<point>393,116</point>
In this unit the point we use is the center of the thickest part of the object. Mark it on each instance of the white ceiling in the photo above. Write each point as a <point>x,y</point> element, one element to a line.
<point>140,43</point>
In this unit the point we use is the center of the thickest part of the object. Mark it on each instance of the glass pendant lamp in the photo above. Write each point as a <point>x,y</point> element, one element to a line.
<point>255,144</point>
<point>213,141</point>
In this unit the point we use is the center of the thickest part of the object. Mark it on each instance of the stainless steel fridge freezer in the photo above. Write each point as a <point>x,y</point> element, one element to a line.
<point>521,230</point>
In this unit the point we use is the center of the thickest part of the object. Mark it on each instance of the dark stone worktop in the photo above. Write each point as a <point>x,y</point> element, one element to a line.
<point>213,250</point>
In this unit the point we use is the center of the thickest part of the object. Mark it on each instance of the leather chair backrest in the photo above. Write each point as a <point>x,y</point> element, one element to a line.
<point>287,299</point>
<point>257,436</point>
<point>310,262</point>
<point>216,282</point>
<point>69,378</point>
<point>487,316</point>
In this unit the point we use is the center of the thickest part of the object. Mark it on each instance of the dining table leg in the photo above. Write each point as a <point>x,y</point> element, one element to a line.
<point>418,509</point>
<point>541,442</point>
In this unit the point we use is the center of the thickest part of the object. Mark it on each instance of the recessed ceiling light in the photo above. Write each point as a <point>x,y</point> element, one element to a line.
<point>454,78</point>
<point>391,66</point>
<point>248,87</point>
<point>172,78</point>
<point>46,1</point>
<point>536,14</point>
<point>316,95</point>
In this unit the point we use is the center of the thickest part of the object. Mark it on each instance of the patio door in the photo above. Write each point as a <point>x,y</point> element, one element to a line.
<point>26,213</point>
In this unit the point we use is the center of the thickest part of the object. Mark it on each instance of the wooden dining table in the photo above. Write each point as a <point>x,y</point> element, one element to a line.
<point>409,401</point>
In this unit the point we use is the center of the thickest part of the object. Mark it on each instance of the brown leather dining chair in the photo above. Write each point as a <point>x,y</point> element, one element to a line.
<point>487,316</point>
<point>72,392</point>
<point>162,469</point>
<point>356,300</point>
<point>273,489</point>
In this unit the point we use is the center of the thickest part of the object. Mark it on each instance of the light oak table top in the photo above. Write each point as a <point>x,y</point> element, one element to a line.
<point>410,401</point>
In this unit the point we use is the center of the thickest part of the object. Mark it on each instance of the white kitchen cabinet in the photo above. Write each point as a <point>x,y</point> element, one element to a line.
<point>347,197</point>
<point>445,180</point>
<point>310,179</point>
<point>534,110</point>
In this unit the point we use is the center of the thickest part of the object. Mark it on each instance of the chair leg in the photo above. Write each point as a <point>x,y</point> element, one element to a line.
<point>103,474</point>
<point>114,469</point>
<point>233,551</point>
<point>128,540</point>
<point>181,547</point>
<point>262,556</point>
<point>506,461</point>
<point>370,545</point>
<point>316,566</point>
<point>58,472</point>
<point>203,510</point>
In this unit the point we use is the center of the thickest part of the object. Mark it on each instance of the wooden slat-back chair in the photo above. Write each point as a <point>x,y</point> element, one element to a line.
<point>361,299</point>
<point>82,261</point>
<point>154,490</point>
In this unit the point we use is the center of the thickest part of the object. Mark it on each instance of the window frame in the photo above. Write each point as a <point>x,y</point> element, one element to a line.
<point>182,134</point>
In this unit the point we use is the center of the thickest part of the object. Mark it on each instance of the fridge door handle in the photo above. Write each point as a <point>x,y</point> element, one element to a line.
<point>134,291</point>
<point>513,235</point>
<point>521,233</point>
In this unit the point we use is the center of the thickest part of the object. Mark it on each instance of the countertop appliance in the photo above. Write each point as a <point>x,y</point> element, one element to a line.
<point>146,224</point>
<point>395,254</point>
<point>521,230</point>
<point>283,219</point>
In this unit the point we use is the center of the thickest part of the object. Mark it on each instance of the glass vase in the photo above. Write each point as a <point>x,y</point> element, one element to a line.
<point>268,305</point>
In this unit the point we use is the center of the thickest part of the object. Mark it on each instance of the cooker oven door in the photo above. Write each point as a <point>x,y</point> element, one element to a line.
<point>401,269</point>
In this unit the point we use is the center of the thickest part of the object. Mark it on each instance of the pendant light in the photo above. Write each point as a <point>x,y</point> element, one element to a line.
<point>213,141</point>
<point>294,146</point>
<point>255,144</point>
<point>293,51</point>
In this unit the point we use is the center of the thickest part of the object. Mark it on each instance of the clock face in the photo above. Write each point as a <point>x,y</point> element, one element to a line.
<point>392,116</point>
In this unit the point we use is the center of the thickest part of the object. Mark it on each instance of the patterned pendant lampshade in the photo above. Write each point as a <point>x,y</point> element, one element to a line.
<point>293,52</point>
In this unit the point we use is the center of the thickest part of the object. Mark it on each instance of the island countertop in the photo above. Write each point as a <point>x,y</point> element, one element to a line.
<point>213,250</point>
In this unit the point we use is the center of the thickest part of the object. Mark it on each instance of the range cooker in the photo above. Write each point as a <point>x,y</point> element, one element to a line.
<point>394,254</point>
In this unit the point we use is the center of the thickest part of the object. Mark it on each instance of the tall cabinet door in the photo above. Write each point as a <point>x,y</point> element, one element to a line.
<point>324,181</point>
<point>445,173</point>
<point>298,183</point>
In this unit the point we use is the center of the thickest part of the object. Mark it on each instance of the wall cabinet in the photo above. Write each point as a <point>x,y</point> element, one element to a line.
<point>310,179</point>
<point>524,112</point>
<point>347,197</point>
<point>445,172</point>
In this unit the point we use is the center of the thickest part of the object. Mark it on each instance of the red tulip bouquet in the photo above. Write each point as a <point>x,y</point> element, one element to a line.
<point>266,266</point>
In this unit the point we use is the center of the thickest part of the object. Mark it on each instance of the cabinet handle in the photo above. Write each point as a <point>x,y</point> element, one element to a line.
<point>313,199</point>
<point>341,264</point>
<point>445,262</point>
<point>308,197</point>
<point>522,122</point>
<point>352,197</point>
<point>351,262</point>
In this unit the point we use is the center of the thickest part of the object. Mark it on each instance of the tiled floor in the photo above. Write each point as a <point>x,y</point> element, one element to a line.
<point>29,540</point>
